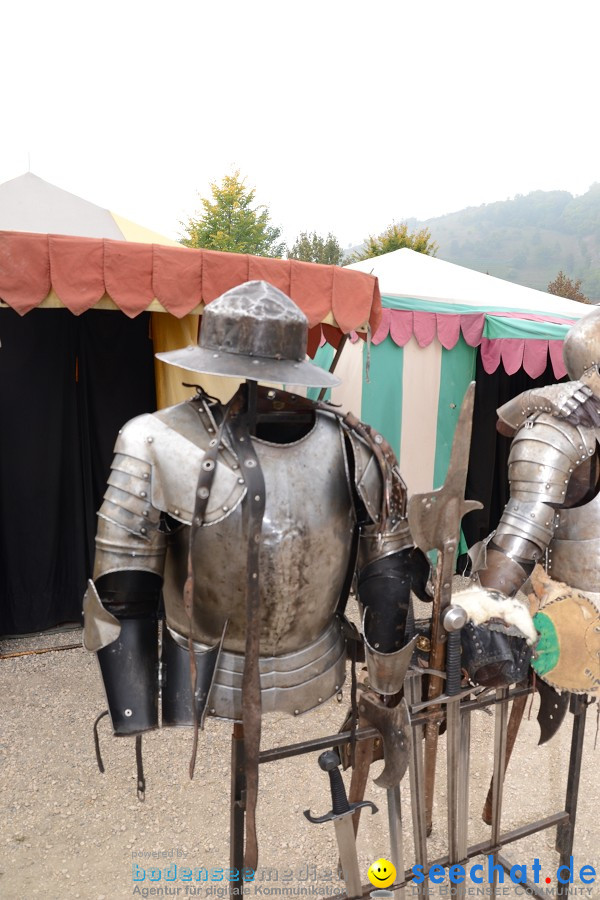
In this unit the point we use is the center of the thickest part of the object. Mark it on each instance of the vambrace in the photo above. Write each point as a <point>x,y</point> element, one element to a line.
<point>520,541</point>
<point>129,664</point>
<point>384,587</point>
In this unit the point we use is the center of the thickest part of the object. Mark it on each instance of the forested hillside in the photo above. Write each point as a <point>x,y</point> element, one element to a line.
<point>527,239</point>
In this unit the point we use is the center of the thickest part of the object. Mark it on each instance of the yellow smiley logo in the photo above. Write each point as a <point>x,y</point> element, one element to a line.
<point>381,873</point>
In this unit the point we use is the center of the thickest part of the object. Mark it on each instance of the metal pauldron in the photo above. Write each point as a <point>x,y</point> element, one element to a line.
<point>548,399</point>
<point>128,535</point>
<point>544,454</point>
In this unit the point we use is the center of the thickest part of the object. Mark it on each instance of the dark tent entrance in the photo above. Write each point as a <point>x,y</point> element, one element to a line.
<point>487,479</point>
<point>68,383</point>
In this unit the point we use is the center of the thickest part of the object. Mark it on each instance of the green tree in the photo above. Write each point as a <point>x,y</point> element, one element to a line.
<point>395,237</point>
<point>314,248</point>
<point>565,287</point>
<point>231,221</point>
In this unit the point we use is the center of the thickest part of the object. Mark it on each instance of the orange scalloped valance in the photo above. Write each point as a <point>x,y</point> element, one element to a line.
<point>83,271</point>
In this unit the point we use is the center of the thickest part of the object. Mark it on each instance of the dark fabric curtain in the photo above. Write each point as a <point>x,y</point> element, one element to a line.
<point>67,384</point>
<point>487,479</point>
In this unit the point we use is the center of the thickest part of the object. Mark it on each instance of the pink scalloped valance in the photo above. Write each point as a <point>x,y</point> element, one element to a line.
<point>401,324</point>
<point>512,353</point>
<point>83,270</point>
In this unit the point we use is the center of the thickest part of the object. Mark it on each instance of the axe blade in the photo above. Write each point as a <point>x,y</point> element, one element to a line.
<point>393,724</point>
<point>552,711</point>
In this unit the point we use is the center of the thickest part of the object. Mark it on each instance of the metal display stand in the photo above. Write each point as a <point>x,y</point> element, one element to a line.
<point>471,700</point>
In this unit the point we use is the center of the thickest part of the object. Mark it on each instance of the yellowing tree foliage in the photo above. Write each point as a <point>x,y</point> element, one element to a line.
<point>565,287</point>
<point>395,237</point>
<point>230,221</point>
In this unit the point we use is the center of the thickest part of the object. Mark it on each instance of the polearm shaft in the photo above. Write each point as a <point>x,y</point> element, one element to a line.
<point>438,662</point>
<point>434,520</point>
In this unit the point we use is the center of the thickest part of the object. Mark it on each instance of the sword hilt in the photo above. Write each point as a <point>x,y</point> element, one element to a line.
<point>329,761</point>
<point>454,619</point>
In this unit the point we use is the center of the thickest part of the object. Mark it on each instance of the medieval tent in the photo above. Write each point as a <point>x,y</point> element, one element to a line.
<point>442,326</point>
<point>81,314</point>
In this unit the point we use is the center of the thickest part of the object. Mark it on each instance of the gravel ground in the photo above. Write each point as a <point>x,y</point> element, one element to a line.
<point>68,831</point>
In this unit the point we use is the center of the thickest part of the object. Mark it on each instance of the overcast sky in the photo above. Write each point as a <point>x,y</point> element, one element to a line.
<point>344,116</point>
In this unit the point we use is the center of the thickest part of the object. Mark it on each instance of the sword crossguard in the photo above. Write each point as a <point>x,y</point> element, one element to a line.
<point>329,761</point>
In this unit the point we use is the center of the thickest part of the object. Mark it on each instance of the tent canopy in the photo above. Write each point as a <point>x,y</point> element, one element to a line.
<point>57,249</point>
<point>428,298</point>
<point>424,353</point>
<point>76,374</point>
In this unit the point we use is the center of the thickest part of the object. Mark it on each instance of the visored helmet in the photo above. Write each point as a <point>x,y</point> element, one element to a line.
<point>253,331</point>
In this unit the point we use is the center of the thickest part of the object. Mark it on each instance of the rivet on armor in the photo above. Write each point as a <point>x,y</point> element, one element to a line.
<point>203,493</point>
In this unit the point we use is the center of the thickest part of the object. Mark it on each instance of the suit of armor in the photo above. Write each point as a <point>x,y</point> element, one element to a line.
<point>251,521</point>
<point>324,490</point>
<point>553,514</point>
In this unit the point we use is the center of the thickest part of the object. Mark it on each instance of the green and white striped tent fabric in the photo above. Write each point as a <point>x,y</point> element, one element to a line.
<point>423,356</point>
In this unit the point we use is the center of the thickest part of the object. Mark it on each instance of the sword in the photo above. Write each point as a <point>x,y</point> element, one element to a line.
<point>434,519</point>
<point>341,816</point>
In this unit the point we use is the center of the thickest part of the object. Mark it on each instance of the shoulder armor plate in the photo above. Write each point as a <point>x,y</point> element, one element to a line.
<point>544,453</point>
<point>174,442</point>
<point>367,475</point>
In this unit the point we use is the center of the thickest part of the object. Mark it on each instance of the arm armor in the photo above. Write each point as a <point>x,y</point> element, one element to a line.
<point>544,454</point>
<point>130,551</point>
<point>389,565</point>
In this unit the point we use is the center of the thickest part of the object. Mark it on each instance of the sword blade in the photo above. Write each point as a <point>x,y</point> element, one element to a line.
<point>396,840</point>
<point>346,841</point>
<point>499,767</point>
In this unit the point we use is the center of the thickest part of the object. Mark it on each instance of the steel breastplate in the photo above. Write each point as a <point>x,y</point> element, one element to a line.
<point>574,554</point>
<point>305,551</point>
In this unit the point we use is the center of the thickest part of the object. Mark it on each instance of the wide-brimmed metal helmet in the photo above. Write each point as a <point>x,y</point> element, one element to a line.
<point>581,348</point>
<point>253,331</point>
